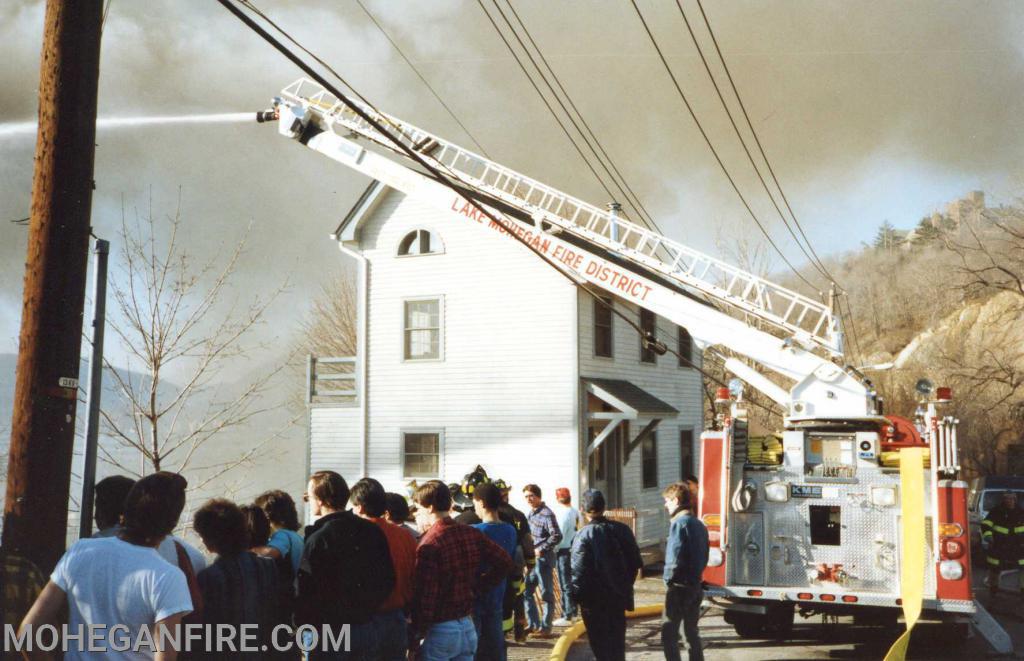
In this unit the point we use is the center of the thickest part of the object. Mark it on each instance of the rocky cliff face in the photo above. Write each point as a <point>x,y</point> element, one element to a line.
<point>982,328</point>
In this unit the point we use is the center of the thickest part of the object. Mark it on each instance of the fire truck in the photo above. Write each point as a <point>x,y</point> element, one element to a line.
<point>804,521</point>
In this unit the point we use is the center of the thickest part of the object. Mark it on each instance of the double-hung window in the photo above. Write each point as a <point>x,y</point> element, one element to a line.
<point>649,460</point>
<point>649,329</point>
<point>422,329</point>
<point>603,327</point>
<point>421,454</point>
<point>685,348</point>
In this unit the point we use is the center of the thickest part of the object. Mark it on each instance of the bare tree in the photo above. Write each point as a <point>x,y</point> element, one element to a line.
<point>987,365</point>
<point>329,330</point>
<point>989,249</point>
<point>173,317</point>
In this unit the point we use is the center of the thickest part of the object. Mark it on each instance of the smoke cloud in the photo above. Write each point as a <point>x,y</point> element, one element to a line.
<point>869,111</point>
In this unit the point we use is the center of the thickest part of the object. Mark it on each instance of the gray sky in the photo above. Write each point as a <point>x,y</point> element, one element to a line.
<point>868,110</point>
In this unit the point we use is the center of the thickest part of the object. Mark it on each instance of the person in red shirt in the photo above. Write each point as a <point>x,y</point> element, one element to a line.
<point>368,502</point>
<point>454,564</point>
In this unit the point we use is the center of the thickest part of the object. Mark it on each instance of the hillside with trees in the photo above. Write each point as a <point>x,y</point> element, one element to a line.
<point>945,301</point>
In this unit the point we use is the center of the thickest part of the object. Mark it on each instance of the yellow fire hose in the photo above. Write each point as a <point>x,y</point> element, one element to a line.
<point>913,541</point>
<point>570,635</point>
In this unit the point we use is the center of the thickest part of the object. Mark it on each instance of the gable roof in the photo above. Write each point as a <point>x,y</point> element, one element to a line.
<point>348,230</point>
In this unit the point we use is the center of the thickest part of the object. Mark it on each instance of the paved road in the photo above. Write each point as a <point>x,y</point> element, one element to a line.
<point>812,638</point>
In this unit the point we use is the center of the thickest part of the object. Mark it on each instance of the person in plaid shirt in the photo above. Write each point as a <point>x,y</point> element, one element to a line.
<point>454,564</point>
<point>20,583</point>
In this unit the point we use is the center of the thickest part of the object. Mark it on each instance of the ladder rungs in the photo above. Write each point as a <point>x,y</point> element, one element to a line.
<point>691,268</point>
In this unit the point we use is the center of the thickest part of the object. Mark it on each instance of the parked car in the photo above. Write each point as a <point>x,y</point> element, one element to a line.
<point>985,494</point>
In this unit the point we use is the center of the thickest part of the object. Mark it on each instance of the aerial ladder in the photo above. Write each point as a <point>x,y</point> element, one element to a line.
<point>812,526</point>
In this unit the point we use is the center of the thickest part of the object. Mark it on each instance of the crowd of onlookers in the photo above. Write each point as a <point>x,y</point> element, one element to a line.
<point>430,583</point>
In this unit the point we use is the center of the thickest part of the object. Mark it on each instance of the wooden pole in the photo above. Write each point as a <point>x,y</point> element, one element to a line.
<point>46,388</point>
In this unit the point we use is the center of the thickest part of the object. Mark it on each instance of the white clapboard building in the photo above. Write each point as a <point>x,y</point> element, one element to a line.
<point>472,350</point>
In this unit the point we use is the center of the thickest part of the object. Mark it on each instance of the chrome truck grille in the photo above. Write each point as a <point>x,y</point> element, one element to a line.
<point>828,535</point>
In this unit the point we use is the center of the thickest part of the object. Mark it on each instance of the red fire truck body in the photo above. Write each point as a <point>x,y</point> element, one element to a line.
<point>815,525</point>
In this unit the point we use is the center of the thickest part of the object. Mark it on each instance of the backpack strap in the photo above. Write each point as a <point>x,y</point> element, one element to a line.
<point>185,565</point>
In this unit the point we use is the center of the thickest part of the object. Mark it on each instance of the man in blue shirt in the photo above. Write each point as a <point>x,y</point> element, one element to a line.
<point>489,605</point>
<point>568,518</point>
<point>686,555</point>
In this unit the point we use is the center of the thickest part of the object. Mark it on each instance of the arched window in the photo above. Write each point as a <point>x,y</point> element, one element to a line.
<point>420,242</point>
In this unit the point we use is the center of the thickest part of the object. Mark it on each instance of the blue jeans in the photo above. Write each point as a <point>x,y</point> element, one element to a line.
<point>363,643</point>
<point>490,634</point>
<point>541,576</point>
<point>563,561</point>
<point>682,605</point>
<point>392,634</point>
<point>454,640</point>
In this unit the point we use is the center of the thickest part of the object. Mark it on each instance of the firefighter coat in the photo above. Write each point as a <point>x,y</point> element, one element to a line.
<point>1003,530</point>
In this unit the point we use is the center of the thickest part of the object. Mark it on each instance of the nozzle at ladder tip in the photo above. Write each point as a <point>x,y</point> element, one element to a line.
<point>267,115</point>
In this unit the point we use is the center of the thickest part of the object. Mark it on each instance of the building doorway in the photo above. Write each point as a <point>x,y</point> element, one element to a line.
<point>604,469</point>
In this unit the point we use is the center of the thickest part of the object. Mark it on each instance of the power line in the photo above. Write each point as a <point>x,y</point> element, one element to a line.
<point>628,193</point>
<point>853,327</point>
<point>316,58</point>
<point>743,143</point>
<point>466,191</point>
<point>546,103</point>
<point>422,79</point>
<point>668,349</point>
<point>718,159</point>
<point>470,193</point>
<point>757,140</point>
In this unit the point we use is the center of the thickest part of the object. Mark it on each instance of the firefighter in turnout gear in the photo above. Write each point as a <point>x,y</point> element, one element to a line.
<point>1003,534</point>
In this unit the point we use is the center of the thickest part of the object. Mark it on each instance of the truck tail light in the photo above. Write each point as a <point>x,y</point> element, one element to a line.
<point>950,530</point>
<point>952,549</point>
<point>827,597</point>
<point>715,557</point>
<point>951,570</point>
<point>849,598</point>
<point>712,520</point>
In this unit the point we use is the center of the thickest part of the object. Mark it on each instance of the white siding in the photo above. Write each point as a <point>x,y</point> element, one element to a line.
<point>504,395</point>
<point>678,386</point>
<point>334,439</point>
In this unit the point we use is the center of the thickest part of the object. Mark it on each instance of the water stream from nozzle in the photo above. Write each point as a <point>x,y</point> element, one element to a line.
<point>22,129</point>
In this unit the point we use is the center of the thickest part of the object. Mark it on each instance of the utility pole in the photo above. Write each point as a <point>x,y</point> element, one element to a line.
<point>92,413</point>
<point>46,388</point>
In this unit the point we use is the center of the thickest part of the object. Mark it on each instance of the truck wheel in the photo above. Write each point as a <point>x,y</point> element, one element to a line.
<point>779,621</point>
<point>749,625</point>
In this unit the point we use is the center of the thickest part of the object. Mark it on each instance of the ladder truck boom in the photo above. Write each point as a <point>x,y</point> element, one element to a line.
<point>607,251</point>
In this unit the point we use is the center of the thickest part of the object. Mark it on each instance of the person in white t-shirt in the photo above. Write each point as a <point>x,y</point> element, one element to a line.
<point>121,582</point>
<point>568,518</point>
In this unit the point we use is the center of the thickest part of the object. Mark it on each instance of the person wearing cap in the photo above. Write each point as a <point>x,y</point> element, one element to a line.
<point>686,556</point>
<point>568,520</point>
<point>605,563</point>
